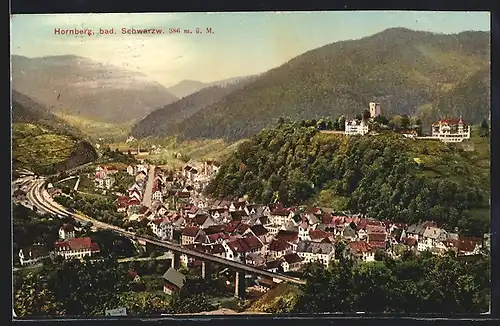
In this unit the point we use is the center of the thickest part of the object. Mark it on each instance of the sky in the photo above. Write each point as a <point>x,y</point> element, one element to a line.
<point>241,44</point>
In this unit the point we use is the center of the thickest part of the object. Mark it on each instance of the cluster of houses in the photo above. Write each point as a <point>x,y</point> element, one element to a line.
<point>280,239</point>
<point>69,246</point>
<point>103,176</point>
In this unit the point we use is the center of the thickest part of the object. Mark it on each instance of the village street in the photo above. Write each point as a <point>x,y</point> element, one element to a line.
<point>146,199</point>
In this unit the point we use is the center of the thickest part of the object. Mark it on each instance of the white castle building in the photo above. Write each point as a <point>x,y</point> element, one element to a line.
<point>375,110</point>
<point>451,130</point>
<point>355,127</point>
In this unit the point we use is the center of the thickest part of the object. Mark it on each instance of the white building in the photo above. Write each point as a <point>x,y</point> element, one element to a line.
<point>67,231</point>
<point>157,195</point>
<point>316,252</point>
<point>451,130</point>
<point>375,110</point>
<point>32,255</point>
<point>76,248</point>
<point>355,127</point>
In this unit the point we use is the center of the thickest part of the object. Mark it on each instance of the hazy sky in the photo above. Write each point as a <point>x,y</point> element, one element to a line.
<point>241,43</point>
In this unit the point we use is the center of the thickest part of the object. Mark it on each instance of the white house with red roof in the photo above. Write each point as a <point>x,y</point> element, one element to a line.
<point>360,250</point>
<point>451,130</point>
<point>76,248</point>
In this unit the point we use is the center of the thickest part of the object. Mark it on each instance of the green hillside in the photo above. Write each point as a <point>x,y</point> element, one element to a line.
<point>400,68</point>
<point>44,150</point>
<point>385,176</point>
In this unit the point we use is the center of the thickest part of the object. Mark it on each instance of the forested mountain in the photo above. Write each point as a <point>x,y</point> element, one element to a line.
<point>406,71</point>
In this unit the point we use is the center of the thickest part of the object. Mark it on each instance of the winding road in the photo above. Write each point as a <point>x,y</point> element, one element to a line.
<point>42,200</point>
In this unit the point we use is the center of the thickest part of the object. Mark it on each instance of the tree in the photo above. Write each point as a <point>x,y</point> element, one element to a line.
<point>405,122</point>
<point>396,123</point>
<point>484,130</point>
<point>34,298</point>
<point>366,114</point>
<point>359,117</point>
<point>383,120</point>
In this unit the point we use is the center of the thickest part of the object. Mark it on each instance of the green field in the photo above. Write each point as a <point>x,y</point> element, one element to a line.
<point>98,129</point>
<point>37,147</point>
<point>174,154</point>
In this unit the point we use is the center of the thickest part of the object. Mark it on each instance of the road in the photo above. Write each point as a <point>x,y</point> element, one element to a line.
<point>42,199</point>
<point>148,192</point>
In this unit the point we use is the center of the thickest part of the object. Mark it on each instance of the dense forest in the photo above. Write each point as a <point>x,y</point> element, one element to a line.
<point>413,284</point>
<point>385,176</point>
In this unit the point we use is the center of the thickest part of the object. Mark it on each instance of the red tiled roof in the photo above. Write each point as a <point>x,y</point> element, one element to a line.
<point>216,236</point>
<point>193,210</point>
<point>318,234</point>
<point>134,201</point>
<point>190,231</point>
<point>252,242</point>
<point>377,244</point>
<point>78,244</point>
<point>411,242</point>
<point>292,258</point>
<point>259,230</point>
<point>377,237</point>
<point>468,244</point>
<point>452,121</point>
<point>360,246</point>
<point>287,235</point>
<point>279,245</point>
<point>239,245</point>
<point>143,209</point>
<point>214,229</point>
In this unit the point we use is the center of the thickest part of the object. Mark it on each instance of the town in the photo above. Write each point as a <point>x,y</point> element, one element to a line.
<point>171,206</point>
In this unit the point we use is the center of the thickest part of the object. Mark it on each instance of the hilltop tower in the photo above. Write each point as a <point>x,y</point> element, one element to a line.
<point>375,109</point>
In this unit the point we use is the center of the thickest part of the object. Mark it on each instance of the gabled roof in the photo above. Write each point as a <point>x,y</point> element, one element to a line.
<point>190,231</point>
<point>259,230</point>
<point>77,244</point>
<point>35,252</point>
<point>68,227</point>
<point>292,258</point>
<point>239,245</point>
<point>315,247</point>
<point>287,235</point>
<point>360,247</point>
<point>278,245</point>
<point>174,277</point>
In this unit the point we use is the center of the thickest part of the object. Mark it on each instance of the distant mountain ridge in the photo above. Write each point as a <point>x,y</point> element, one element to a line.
<point>188,87</point>
<point>84,87</point>
<point>400,68</point>
<point>164,121</point>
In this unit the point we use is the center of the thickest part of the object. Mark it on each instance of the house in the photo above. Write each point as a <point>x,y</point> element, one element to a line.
<point>376,236</point>
<point>254,259</point>
<point>131,170</point>
<point>348,233</point>
<point>451,130</point>
<point>416,231</point>
<point>157,196</point>
<point>355,127</point>
<point>316,252</point>
<point>203,221</point>
<point>279,248</point>
<point>32,255</point>
<point>265,284</point>
<point>360,250</point>
<point>76,248</point>
<point>67,231</point>
<point>280,216</point>
<point>291,262</point>
<point>237,206</point>
<point>133,276</point>
<point>319,235</point>
<point>173,281</point>
<point>273,266</point>
<point>431,238</point>
<point>258,231</point>
<point>238,249</point>
<point>189,234</point>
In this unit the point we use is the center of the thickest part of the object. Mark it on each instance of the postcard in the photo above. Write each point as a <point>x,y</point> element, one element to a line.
<point>251,163</point>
